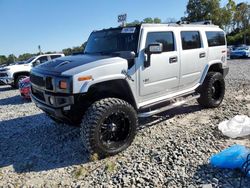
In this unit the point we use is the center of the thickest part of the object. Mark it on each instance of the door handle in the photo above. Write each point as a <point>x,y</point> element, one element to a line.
<point>173,59</point>
<point>202,54</point>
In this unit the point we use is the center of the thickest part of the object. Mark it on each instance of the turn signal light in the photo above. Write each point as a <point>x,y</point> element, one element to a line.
<point>84,78</point>
<point>63,84</point>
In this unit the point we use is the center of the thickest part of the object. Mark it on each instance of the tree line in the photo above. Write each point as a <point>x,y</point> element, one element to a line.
<point>233,18</point>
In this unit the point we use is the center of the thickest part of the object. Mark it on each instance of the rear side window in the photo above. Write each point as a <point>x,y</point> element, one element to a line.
<point>43,59</point>
<point>215,38</point>
<point>166,38</point>
<point>190,40</point>
<point>54,56</point>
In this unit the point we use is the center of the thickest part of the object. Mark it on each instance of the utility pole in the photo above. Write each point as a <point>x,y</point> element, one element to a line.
<point>39,49</point>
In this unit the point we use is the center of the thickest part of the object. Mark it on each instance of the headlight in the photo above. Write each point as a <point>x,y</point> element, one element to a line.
<point>64,85</point>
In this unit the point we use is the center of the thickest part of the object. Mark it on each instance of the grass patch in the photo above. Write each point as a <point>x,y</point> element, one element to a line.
<point>110,166</point>
<point>80,172</point>
<point>94,157</point>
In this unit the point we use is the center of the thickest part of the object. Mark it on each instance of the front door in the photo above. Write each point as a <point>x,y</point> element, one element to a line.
<point>162,76</point>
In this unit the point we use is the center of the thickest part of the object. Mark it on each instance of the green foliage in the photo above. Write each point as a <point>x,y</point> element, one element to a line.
<point>11,59</point>
<point>234,19</point>
<point>239,37</point>
<point>80,173</point>
<point>231,17</point>
<point>75,50</point>
<point>145,20</point>
<point>242,16</point>
<point>25,56</point>
<point>3,59</point>
<point>200,10</point>
<point>136,22</point>
<point>148,20</point>
<point>110,166</point>
<point>157,20</point>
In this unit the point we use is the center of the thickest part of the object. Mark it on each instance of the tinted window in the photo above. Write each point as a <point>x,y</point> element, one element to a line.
<point>166,38</point>
<point>215,38</point>
<point>43,59</point>
<point>190,40</point>
<point>54,56</point>
<point>29,60</point>
<point>113,40</point>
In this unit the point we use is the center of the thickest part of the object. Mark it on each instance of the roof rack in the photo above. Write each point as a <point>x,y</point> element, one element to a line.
<point>206,22</point>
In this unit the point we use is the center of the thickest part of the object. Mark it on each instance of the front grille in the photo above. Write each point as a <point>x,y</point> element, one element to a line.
<point>37,80</point>
<point>3,74</point>
<point>49,84</point>
<point>38,94</point>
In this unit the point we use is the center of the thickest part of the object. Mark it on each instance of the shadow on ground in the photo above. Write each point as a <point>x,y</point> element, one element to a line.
<point>5,88</point>
<point>206,174</point>
<point>15,100</point>
<point>34,143</point>
<point>151,121</point>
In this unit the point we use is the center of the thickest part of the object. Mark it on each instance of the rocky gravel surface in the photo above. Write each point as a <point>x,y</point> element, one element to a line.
<point>170,150</point>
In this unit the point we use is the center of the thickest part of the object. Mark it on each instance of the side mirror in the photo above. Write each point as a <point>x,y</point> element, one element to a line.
<point>37,62</point>
<point>154,48</point>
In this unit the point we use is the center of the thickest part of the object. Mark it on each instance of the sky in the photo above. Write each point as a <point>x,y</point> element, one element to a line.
<point>55,25</point>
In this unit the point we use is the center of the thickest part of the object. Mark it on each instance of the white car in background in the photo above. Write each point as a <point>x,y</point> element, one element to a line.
<point>12,74</point>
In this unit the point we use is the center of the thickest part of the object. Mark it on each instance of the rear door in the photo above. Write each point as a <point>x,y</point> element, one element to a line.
<point>193,58</point>
<point>216,45</point>
<point>162,76</point>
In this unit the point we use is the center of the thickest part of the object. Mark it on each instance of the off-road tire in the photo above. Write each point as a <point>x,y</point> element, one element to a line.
<point>94,119</point>
<point>212,90</point>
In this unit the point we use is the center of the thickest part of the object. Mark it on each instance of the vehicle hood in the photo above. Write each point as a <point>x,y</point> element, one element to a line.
<point>16,67</point>
<point>71,65</point>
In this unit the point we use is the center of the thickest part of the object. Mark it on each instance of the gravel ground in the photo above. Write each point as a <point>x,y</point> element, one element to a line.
<point>170,150</point>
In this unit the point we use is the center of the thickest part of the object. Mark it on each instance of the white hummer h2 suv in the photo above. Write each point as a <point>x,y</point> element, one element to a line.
<point>131,72</point>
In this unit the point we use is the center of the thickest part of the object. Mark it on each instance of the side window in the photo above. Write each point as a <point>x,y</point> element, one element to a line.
<point>190,40</point>
<point>54,56</point>
<point>166,38</point>
<point>215,38</point>
<point>43,59</point>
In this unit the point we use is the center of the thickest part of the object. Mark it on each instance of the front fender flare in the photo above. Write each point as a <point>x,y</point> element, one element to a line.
<point>85,87</point>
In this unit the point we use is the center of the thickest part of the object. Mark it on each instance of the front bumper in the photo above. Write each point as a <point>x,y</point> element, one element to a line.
<point>54,105</point>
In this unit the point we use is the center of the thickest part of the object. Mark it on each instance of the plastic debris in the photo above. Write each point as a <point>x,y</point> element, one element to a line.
<point>234,157</point>
<point>239,126</point>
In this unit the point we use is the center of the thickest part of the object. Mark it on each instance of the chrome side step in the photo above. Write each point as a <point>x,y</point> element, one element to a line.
<point>173,105</point>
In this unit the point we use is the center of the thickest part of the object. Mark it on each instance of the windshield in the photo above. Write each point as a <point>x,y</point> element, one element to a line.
<point>20,63</point>
<point>113,40</point>
<point>29,60</point>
